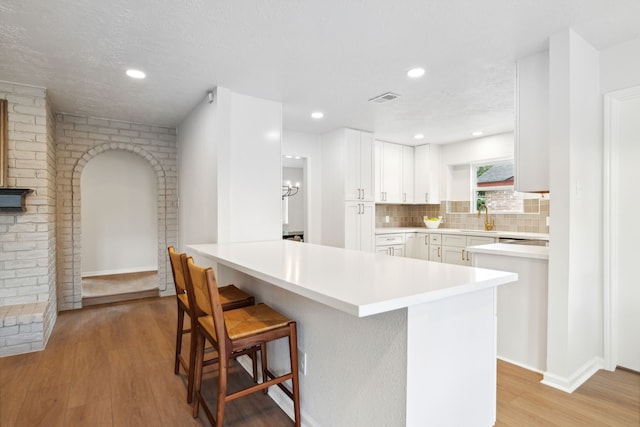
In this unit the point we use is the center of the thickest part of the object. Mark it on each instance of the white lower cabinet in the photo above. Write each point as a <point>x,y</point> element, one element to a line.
<point>391,244</point>
<point>422,246</point>
<point>435,253</point>
<point>454,247</point>
<point>447,248</point>
<point>359,226</point>
<point>410,242</point>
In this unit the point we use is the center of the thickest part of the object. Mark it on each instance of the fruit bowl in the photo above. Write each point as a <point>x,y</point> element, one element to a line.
<point>432,222</point>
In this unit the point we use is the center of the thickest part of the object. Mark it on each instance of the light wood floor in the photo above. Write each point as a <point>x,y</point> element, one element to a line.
<point>112,365</point>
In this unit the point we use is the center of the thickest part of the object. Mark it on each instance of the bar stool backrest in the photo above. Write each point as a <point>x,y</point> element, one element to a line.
<point>205,290</point>
<point>177,270</point>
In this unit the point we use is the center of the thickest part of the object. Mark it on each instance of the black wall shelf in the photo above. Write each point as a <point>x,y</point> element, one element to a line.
<point>12,199</point>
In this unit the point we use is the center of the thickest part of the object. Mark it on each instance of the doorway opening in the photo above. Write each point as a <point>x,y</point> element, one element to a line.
<point>294,198</point>
<point>119,228</point>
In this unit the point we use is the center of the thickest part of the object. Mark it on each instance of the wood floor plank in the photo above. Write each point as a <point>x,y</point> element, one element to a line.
<point>94,413</point>
<point>44,406</point>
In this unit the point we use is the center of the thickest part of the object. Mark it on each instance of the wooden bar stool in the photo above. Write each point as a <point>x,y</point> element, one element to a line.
<point>230,296</point>
<point>237,332</point>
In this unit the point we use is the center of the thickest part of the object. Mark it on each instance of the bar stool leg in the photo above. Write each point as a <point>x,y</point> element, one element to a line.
<point>179,338</point>
<point>198,370</point>
<point>263,355</point>
<point>293,357</point>
<point>222,388</point>
<point>192,362</point>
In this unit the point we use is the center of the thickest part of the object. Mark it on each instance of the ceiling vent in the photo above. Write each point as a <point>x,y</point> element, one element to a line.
<point>385,97</point>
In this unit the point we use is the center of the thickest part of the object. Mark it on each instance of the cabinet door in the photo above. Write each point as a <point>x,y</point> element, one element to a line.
<point>454,255</point>
<point>392,172</point>
<point>367,227</point>
<point>427,173</point>
<point>407,174</point>
<point>397,250</point>
<point>410,249</point>
<point>379,197</point>
<point>422,246</point>
<point>367,166</point>
<point>352,225</point>
<point>383,250</point>
<point>352,189</point>
<point>435,253</point>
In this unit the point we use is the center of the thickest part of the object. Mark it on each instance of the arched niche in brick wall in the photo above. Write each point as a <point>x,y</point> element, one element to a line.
<point>69,247</point>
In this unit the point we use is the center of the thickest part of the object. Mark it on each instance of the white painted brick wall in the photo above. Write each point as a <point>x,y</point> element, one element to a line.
<point>78,140</point>
<point>27,240</point>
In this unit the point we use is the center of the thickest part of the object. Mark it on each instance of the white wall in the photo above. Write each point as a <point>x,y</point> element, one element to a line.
<point>575,317</point>
<point>455,180</point>
<point>620,66</point>
<point>229,158</point>
<point>119,215</point>
<point>309,147</point>
<point>197,176</point>
<point>255,171</point>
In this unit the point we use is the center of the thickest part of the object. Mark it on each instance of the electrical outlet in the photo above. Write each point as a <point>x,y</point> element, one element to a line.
<point>302,361</point>
<point>547,221</point>
<point>386,219</point>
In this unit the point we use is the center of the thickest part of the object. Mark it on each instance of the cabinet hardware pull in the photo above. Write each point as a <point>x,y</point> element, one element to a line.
<point>404,197</point>
<point>426,197</point>
<point>439,252</point>
<point>425,240</point>
<point>463,255</point>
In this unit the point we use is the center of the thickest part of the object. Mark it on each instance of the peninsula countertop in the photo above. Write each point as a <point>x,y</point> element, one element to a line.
<point>519,251</point>
<point>355,282</point>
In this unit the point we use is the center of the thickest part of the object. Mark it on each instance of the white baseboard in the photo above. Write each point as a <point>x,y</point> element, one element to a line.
<point>279,397</point>
<point>119,271</point>
<point>571,383</point>
<point>528,368</point>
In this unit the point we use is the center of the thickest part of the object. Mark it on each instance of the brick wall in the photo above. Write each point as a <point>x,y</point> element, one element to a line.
<point>27,240</point>
<point>78,140</point>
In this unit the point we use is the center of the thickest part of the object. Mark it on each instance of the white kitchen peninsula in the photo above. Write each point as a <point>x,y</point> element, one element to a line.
<point>388,341</point>
<point>522,306</point>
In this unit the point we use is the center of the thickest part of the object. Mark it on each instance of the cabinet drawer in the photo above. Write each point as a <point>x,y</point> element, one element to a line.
<point>435,239</point>
<point>459,241</point>
<point>479,240</point>
<point>389,239</point>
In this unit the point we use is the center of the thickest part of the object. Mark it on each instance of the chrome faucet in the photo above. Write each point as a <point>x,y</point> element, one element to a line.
<point>487,225</point>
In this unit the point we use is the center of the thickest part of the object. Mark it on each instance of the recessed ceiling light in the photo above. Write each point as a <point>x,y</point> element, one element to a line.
<point>414,73</point>
<point>136,74</point>
<point>419,136</point>
<point>476,133</point>
<point>317,114</point>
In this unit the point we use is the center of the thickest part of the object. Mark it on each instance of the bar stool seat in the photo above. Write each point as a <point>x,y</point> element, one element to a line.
<point>231,297</point>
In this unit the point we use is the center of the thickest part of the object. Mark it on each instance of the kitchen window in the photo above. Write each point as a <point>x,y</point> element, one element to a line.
<point>493,187</point>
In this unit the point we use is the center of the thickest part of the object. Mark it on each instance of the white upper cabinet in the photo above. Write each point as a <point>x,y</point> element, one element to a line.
<point>427,174</point>
<point>407,174</point>
<point>394,173</point>
<point>358,165</point>
<point>532,124</point>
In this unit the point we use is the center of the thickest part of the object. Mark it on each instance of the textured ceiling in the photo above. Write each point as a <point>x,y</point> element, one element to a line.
<point>330,55</point>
